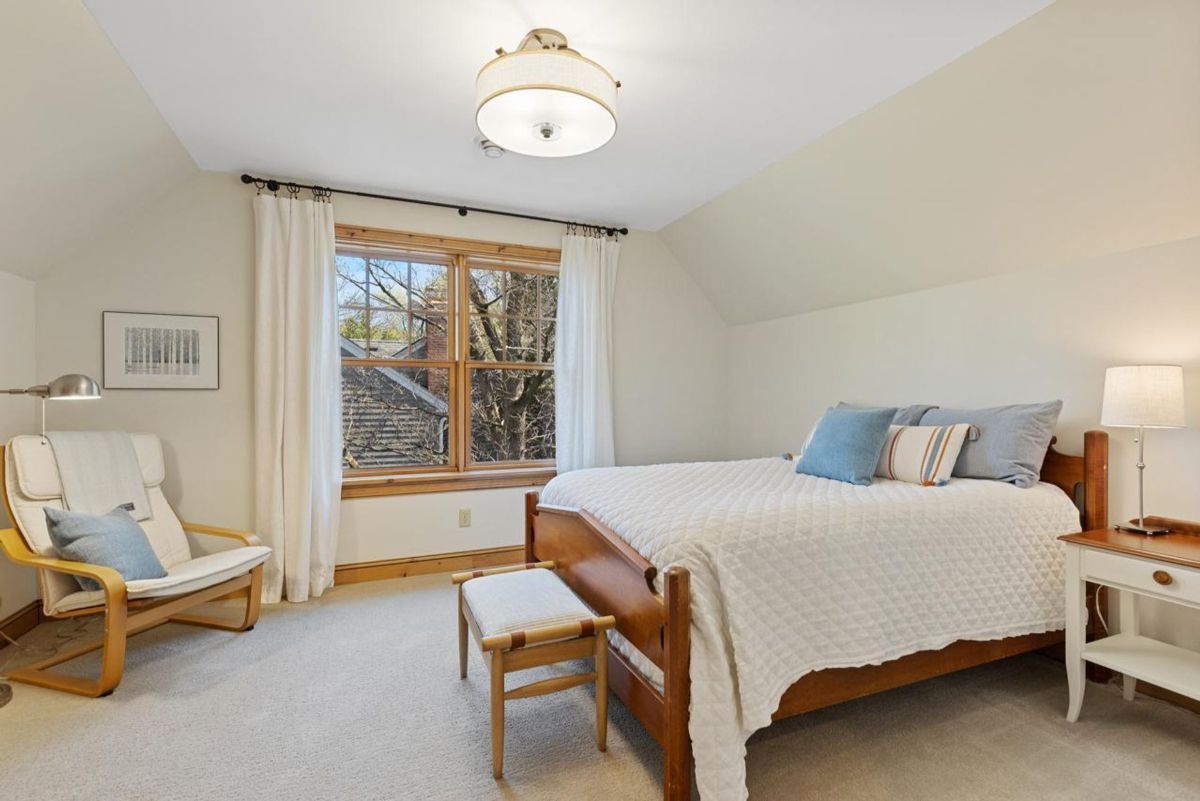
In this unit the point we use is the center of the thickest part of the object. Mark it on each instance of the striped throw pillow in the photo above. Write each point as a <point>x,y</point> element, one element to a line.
<point>922,455</point>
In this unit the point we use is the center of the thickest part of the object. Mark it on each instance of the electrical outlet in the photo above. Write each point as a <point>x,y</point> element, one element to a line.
<point>464,517</point>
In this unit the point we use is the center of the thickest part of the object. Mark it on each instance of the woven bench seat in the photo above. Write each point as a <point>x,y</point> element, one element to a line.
<point>523,600</point>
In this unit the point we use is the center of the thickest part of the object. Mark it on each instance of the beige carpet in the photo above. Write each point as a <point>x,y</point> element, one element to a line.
<point>357,696</point>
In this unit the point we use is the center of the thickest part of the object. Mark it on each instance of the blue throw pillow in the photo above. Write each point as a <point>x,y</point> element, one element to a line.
<point>846,445</point>
<point>113,540</point>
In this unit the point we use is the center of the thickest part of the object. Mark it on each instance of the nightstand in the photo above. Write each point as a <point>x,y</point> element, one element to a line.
<point>1165,567</point>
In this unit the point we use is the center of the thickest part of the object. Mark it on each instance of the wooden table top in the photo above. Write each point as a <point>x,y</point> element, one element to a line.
<point>1180,547</point>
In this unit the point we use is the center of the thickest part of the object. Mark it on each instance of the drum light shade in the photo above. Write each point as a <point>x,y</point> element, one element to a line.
<point>545,99</point>
<point>1143,395</point>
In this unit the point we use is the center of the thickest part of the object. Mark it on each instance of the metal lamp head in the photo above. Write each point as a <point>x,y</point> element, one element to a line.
<point>72,386</point>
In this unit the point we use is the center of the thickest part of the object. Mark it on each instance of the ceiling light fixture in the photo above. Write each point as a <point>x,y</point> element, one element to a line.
<point>544,99</point>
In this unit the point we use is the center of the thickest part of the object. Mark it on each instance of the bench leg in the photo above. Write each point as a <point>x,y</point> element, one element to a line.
<point>602,690</point>
<point>497,670</point>
<point>462,637</point>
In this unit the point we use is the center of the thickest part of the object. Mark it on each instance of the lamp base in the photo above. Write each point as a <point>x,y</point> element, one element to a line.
<point>1142,529</point>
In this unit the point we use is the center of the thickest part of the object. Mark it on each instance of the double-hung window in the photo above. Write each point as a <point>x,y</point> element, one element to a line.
<point>447,354</point>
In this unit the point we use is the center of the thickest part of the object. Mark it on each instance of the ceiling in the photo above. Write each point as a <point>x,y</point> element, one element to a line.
<point>1073,135</point>
<point>84,147</point>
<point>378,94</point>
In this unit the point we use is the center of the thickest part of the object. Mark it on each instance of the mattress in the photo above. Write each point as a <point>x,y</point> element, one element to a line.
<point>793,573</point>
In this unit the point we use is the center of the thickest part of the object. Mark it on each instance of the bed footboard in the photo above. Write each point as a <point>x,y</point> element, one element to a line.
<point>616,580</point>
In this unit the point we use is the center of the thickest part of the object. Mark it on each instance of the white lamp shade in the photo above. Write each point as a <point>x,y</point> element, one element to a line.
<point>1147,395</point>
<point>549,103</point>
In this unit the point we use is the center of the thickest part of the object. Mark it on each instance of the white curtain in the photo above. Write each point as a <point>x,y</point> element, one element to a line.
<point>297,395</point>
<point>583,361</point>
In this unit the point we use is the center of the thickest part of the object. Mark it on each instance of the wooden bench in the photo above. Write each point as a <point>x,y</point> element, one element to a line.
<point>524,616</point>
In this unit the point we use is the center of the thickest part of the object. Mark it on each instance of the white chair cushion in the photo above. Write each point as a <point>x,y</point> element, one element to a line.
<point>520,601</point>
<point>37,472</point>
<point>185,577</point>
<point>32,483</point>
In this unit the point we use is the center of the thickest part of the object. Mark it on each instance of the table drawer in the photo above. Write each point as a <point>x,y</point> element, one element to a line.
<point>1158,578</point>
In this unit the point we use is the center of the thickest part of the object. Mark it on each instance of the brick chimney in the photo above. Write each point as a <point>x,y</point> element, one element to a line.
<point>437,348</point>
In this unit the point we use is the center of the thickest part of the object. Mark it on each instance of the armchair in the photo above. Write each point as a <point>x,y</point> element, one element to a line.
<point>29,477</point>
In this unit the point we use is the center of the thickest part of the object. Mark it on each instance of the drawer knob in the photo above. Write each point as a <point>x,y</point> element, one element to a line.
<point>1163,577</point>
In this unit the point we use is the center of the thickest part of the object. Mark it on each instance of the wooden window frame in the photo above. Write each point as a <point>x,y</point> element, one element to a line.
<point>461,255</point>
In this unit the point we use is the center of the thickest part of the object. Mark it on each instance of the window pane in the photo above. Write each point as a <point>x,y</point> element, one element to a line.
<point>512,415</point>
<point>389,283</point>
<point>351,280</point>
<point>520,299</point>
<point>430,287</point>
<point>389,334</point>
<point>487,339</point>
<point>547,345</point>
<point>521,340</point>
<point>431,337</point>
<point>549,296</point>
<point>352,325</point>
<point>395,417</point>
<point>487,291</point>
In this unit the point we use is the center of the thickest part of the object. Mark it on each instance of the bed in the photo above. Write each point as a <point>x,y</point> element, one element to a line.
<point>745,593</point>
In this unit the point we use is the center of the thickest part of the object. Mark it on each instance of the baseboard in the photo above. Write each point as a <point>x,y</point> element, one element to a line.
<point>432,563</point>
<point>21,622</point>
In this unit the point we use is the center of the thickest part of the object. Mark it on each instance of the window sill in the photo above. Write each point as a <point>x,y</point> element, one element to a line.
<point>454,482</point>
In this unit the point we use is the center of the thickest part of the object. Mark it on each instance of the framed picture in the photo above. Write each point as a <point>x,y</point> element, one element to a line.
<point>161,351</point>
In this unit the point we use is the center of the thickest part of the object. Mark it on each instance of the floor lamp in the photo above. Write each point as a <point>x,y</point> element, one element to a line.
<point>72,386</point>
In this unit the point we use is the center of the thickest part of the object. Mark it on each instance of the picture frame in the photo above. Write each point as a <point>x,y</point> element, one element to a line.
<point>161,351</point>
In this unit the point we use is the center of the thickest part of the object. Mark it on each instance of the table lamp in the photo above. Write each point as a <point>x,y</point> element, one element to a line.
<point>1143,396</point>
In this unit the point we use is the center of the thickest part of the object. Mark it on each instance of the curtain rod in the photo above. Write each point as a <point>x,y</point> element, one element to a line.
<point>273,185</point>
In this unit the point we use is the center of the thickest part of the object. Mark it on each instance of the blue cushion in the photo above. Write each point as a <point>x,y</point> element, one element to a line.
<point>1012,440</point>
<point>113,540</point>
<point>905,415</point>
<point>846,445</point>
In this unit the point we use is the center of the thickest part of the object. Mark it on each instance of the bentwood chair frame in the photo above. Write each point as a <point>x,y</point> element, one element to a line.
<point>124,617</point>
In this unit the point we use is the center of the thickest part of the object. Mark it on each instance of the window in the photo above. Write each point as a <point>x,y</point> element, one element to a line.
<point>447,353</point>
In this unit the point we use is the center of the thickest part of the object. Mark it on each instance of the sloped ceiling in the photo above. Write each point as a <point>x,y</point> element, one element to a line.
<point>84,148</point>
<point>379,94</point>
<point>1074,134</point>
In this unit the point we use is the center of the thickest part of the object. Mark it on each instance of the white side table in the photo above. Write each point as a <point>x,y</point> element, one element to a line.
<point>1166,567</point>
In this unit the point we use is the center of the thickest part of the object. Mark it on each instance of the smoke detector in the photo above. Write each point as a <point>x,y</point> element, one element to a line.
<point>489,148</point>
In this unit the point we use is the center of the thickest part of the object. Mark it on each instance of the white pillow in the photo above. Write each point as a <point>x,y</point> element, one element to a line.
<point>922,455</point>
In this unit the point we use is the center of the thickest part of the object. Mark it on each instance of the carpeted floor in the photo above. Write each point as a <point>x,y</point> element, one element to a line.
<point>357,696</point>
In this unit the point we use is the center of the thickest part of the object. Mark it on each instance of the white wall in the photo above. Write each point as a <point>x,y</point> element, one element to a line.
<point>1070,136</point>
<point>192,253</point>
<point>1025,337</point>
<point>18,586</point>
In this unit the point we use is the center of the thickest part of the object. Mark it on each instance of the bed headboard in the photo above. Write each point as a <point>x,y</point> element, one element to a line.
<point>1083,478</point>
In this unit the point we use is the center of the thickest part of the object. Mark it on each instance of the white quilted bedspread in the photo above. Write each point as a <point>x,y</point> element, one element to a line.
<point>792,574</point>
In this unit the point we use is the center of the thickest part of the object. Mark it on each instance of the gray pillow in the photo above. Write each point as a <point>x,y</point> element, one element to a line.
<point>113,540</point>
<point>1012,440</point>
<point>905,415</point>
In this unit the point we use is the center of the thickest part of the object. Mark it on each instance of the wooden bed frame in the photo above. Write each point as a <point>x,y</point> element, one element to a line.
<point>616,580</point>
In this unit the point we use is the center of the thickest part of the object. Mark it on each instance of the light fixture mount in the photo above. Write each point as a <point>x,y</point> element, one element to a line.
<point>567,101</point>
